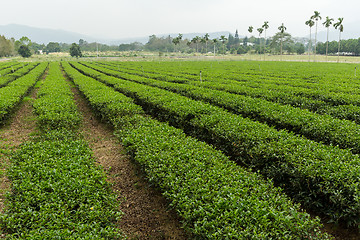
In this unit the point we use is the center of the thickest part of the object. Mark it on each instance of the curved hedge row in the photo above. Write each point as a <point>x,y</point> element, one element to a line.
<point>58,192</point>
<point>319,76</point>
<point>12,94</point>
<point>324,178</point>
<point>215,198</point>
<point>321,128</point>
<point>19,71</point>
<point>348,112</point>
<point>10,68</point>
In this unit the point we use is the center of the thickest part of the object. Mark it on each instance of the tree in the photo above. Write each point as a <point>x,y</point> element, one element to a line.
<point>52,47</point>
<point>260,30</point>
<point>282,29</point>
<point>196,40</point>
<point>202,41</point>
<point>177,40</point>
<point>206,38</point>
<point>24,51</point>
<point>223,40</point>
<point>286,40</point>
<point>75,50</point>
<point>328,22</point>
<point>36,47</point>
<point>250,29</point>
<point>237,39</point>
<point>310,23</point>
<point>316,17</point>
<point>23,41</point>
<point>341,29</point>
<point>82,42</point>
<point>6,47</point>
<point>265,26</point>
<point>214,41</point>
<point>300,48</point>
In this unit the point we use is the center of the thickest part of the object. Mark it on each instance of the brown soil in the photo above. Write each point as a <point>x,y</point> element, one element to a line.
<point>16,130</point>
<point>146,212</point>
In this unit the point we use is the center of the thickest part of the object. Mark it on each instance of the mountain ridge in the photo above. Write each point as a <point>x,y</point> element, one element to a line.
<point>46,35</point>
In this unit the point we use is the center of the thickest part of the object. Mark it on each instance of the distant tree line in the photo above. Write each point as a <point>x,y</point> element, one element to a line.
<point>231,44</point>
<point>349,47</point>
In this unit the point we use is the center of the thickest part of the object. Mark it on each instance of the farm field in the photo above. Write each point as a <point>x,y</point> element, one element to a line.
<point>229,149</point>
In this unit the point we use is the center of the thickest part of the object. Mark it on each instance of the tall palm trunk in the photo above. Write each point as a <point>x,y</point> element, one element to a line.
<point>309,45</point>
<point>339,47</point>
<point>264,44</point>
<point>315,41</point>
<point>327,43</point>
<point>281,44</point>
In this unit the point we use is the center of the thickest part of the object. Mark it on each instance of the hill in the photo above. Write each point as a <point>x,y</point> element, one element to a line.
<point>45,35</point>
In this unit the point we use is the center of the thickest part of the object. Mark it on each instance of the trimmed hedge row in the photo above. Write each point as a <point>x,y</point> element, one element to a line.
<point>326,76</point>
<point>348,112</point>
<point>215,198</point>
<point>10,68</point>
<point>55,104</point>
<point>321,128</point>
<point>19,71</point>
<point>324,178</point>
<point>12,94</point>
<point>58,192</point>
<point>102,99</point>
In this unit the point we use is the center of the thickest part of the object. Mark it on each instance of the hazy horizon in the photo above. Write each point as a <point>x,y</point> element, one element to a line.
<point>138,18</point>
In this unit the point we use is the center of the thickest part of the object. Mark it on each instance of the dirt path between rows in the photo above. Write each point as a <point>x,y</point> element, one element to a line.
<point>16,130</point>
<point>146,213</point>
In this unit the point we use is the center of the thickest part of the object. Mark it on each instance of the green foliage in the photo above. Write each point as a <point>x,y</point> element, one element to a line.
<point>24,51</point>
<point>58,192</point>
<point>52,47</point>
<point>55,104</point>
<point>6,47</point>
<point>136,46</point>
<point>75,50</point>
<point>11,95</point>
<point>322,177</point>
<point>12,73</point>
<point>23,41</point>
<point>321,128</point>
<point>216,198</point>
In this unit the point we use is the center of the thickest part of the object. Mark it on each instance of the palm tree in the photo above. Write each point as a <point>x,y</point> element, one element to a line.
<point>282,29</point>
<point>223,40</point>
<point>202,40</point>
<point>206,37</point>
<point>327,24</point>
<point>250,30</point>
<point>260,30</point>
<point>265,26</point>
<point>214,41</point>
<point>341,29</point>
<point>196,41</point>
<point>316,17</point>
<point>310,23</point>
<point>177,40</point>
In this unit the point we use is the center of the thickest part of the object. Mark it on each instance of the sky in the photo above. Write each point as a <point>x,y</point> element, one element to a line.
<point>116,19</point>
